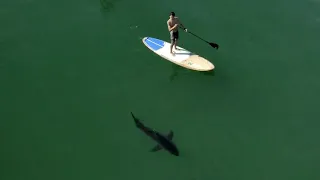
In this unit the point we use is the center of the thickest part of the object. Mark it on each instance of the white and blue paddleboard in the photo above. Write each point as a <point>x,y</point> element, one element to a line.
<point>180,57</point>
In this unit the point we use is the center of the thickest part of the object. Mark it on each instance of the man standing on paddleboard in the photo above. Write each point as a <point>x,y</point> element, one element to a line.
<point>173,27</point>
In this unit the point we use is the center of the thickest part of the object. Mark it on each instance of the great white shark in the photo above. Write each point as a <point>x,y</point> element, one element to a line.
<point>164,142</point>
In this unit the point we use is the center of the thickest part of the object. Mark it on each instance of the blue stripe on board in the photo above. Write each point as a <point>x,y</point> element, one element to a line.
<point>154,44</point>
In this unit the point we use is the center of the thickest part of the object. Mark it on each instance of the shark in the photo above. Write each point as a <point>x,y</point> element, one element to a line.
<point>163,141</point>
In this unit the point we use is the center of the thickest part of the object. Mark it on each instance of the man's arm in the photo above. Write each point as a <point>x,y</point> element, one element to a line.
<point>171,28</point>
<point>181,25</point>
<point>168,26</point>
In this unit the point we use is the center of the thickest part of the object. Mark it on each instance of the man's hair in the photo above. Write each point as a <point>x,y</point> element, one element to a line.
<point>173,14</point>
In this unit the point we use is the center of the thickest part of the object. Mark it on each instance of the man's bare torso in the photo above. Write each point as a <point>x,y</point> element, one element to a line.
<point>173,22</point>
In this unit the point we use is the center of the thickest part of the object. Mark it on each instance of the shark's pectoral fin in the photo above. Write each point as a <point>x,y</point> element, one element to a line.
<point>156,148</point>
<point>170,135</point>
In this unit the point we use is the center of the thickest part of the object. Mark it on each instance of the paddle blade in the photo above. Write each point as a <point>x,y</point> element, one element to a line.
<point>214,45</point>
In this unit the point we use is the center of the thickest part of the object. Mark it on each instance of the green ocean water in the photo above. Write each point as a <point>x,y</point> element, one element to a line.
<point>72,71</point>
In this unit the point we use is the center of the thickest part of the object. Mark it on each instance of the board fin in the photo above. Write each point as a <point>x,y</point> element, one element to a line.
<point>170,135</point>
<point>156,148</point>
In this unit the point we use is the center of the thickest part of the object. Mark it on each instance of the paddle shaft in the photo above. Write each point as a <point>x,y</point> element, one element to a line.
<point>214,45</point>
<point>198,37</point>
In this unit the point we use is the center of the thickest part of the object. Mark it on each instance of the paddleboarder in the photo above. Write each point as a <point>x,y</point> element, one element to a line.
<point>173,27</point>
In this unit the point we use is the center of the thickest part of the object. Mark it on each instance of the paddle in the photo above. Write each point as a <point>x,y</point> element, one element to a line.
<point>214,45</point>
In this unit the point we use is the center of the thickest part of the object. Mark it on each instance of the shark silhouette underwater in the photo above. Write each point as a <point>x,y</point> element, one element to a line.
<point>164,142</point>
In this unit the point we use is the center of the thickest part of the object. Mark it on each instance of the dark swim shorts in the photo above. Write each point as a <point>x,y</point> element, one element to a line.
<point>174,35</point>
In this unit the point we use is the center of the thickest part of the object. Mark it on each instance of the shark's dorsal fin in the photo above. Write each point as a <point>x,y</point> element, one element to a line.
<point>170,135</point>
<point>156,148</point>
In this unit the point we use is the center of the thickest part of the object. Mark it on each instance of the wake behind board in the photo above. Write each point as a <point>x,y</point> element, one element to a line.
<point>181,57</point>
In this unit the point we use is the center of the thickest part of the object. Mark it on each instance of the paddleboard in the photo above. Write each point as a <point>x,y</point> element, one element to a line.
<point>181,57</point>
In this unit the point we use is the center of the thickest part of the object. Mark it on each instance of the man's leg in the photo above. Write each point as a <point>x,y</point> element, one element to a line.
<point>171,46</point>
<point>172,41</point>
<point>176,37</point>
<point>175,44</point>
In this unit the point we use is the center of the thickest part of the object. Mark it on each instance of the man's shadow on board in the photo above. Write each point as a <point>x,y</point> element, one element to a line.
<point>178,70</point>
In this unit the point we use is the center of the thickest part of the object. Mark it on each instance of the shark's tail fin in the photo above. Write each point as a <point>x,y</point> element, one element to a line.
<point>137,121</point>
